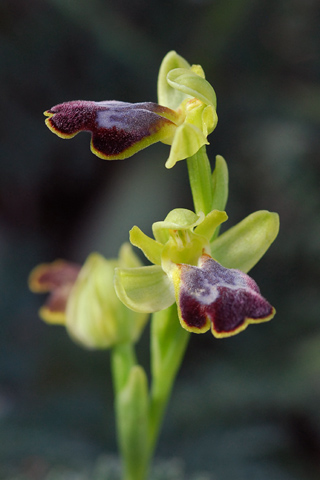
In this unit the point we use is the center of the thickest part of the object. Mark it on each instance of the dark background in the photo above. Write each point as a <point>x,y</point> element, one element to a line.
<point>245,407</point>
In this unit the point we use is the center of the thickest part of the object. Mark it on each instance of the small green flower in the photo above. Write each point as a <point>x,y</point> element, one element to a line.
<point>120,129</point>
<point>193,270</point>
<point>83,299</point>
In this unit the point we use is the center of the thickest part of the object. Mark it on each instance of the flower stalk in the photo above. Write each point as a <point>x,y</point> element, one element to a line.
<point>199,171</point>
<point>168,345</point>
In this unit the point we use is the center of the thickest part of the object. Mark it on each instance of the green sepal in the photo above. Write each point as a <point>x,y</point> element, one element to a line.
<point>132,406</point>
<point>177,219</point>
<point>144,289</point>
<point>95,317</point>
<point>150,247</point>
<point>190,83</point>
<point>168,96</point>
<point>210,223</point>
<point>243,245</point>
<point>188,139</point>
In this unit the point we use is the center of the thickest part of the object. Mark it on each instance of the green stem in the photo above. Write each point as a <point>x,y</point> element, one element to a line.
<point>129,382</point>
<point>123,358</point>
<point>168,345</point>
<point>199,170</point>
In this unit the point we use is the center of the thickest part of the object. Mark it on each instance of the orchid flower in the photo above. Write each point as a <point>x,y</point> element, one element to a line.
<point>84,301</point>
<point>184,117</point>
<point>186,270</point>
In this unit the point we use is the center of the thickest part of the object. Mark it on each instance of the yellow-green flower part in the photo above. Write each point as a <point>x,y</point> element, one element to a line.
<point>83,299</point>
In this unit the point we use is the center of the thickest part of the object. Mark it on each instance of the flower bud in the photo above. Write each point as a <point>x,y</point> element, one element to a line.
<point>91,311</point>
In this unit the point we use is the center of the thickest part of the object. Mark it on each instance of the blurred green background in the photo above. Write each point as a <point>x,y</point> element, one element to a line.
<point>243,408</point>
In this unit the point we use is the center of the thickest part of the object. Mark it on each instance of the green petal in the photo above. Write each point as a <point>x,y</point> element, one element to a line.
<point>144,289</point>
<point>209,120</point>
<point>151,248</point>
<point>197,69</point>
<point>200,115</point>
<point>187,140</point>
<point>168,96</point>
<point>243,245</point>
<point>210,223</point>
<point>188,82</point>
<point>177,219</point>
